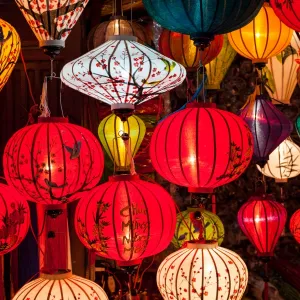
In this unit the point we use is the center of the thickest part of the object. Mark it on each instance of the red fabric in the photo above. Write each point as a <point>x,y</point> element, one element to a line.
<point>295,225</point>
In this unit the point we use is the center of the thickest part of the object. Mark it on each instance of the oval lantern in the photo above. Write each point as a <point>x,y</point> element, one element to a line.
<point>9,51</point>
<point>14,219</point>
<point>265,36</point>
<point>126,219</point>
<point>262,220</point>
<point>295,225</point>
<point>201,147</point>
<point>51,161</point>
<point>63,285</point>
<point>202,271</point>
<point>213,228</point>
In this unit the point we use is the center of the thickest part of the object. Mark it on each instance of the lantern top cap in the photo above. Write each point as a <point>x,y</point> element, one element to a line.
<point>202,244</point>
<point>124,177</point>
<point>53,120</point>
<point>122,37</point>
<point>59,275</point>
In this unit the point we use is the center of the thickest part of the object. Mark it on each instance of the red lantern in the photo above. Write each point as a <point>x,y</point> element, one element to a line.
<point>51,161</point>
<point>14,219</point>
<point>295,225</point>
<point>126,219</point>
<point>201,147</point>
<point>262,220</point>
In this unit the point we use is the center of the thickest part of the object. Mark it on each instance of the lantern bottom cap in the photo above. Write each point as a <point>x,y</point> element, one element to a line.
<point>200,190</point>
<point>123,177</point>
<point>282,180</point>
<point>117,106</point>
<point>213,86</point>
<point>129,263</point>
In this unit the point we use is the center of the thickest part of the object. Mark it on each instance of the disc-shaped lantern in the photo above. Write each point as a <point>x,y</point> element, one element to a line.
<point>202,19</point>
<point>201,147</point>
<point>181,48</point>
<point>269,126</point>
<point>10,47</point>
<point>295,225</point>
<point>265,36</point>
<point>126,219</point>
<point>51,161</point>
<point>262,220</point>
<point>202,271</point>
<point>52,21</point>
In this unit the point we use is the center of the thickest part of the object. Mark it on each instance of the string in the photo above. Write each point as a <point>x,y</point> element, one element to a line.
<point>137,275</point>
<point>38,245</point>
<point>60,99</point>
<point>140,285</point>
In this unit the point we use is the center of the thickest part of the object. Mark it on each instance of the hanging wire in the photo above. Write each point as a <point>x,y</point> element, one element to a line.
<point>131,7</point>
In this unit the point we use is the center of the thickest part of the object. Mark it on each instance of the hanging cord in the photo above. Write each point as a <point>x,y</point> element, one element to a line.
<point>146,269</point>
<point>266,280</point>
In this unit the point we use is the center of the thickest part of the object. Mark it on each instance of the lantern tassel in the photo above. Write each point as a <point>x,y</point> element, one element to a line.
<point>266,280</point>
<point>44,100</point>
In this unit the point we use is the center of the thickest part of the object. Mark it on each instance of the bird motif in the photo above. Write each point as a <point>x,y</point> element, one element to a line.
<point>51,184</point>
<point>168,67</point>
<point>182,237</point>
<point>75,151</point>
<point>144,81</point>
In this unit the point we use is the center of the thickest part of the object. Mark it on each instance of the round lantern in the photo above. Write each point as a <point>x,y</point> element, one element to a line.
<point>9,53</point>
<point>269,126</point>
<point>51,161</point>
<point>283,163</point>
<point>202,271</point>
<point>121,139</point>
<point>265,36</point>
<point>126,219</point>
<point>187,230</point>
<point>180,48</point>
<point>202,19</point>
<point>61,286</point>
<point>295,225</point>
<point>262,220</point>
<point>201,147</point>
<point>14,219</point>
<point>51,21</point>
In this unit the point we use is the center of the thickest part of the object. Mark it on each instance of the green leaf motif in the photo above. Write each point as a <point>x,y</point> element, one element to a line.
<point>288,51</point>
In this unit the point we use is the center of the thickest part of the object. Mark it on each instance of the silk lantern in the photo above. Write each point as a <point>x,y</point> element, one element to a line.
<point>269,126</point>
<point>297,125</point>
<point>10,47</point>
<point>262,220</point>
<point>201,147</point>
<point>202,270</point>
<point>52,21</point>
<point>126,219</point>
<point>265,36</point>
<point>295,225</point>
<point>121,139</point>
<point>51,161</point>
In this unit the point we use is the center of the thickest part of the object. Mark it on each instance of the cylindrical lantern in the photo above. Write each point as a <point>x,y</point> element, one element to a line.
<point>202,271</point>
<point>126,219</point>
<point>61,286</point>
<point>295,225</point>
<point>51,161</point>
<point>262,220</point>
<point>10,50</point>
<point>213,228</point>
<point>14,219</point>
<point>201,147</point>
<point>121,139</point>
<point>265,36</point>
<point>181,48</point>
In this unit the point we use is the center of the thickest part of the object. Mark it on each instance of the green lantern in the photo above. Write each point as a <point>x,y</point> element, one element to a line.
<point>298,125</point>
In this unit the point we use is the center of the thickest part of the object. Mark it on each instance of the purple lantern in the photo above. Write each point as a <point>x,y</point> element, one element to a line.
<point>268,125</point>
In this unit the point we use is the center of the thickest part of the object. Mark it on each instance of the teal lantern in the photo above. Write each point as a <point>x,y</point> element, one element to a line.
<point>298,125</point>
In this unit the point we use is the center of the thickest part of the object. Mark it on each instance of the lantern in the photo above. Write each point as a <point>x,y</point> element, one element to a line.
<point>121,139</point>
<point>217,68</point>
<point>262,220</point>
<point>297,124</point>
<point>269,126</point>
<point>186,230</point>
<point>265,36</point>
<point>51,161</point>
<point>202,19</point>
<point>10,47</point>
<point>201,147</point>
<point>63,285</point>
<point>295,225</point>
<point>180,48</point>
<point>123,73</point>
<point>283,163</point>
<point>52,21</point>
<point>202,271</point>
<point>14,219</point>
<point>126,219</point>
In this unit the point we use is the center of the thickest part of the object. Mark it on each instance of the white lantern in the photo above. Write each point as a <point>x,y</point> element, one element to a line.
<point>202,271</point>
<point>283,163</point>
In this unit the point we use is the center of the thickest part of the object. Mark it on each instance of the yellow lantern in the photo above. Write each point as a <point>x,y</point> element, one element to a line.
<point>265,36</point>
<point>121,139</point>
<point>10,47</point>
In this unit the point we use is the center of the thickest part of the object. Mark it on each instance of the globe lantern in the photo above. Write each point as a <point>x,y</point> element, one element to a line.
<point>265,36</point>
<point>295,225</point>
<point>14,219</point>
<point>201,147</point>
<point>63,285</point>
<point>202,271</point>
<point>51,161</point>
<point>269,126</point>
<point>51,21</point>
<point>202,19</point>
<point>262,220</point>
<point>9,51</point>
<point>126,219</point>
